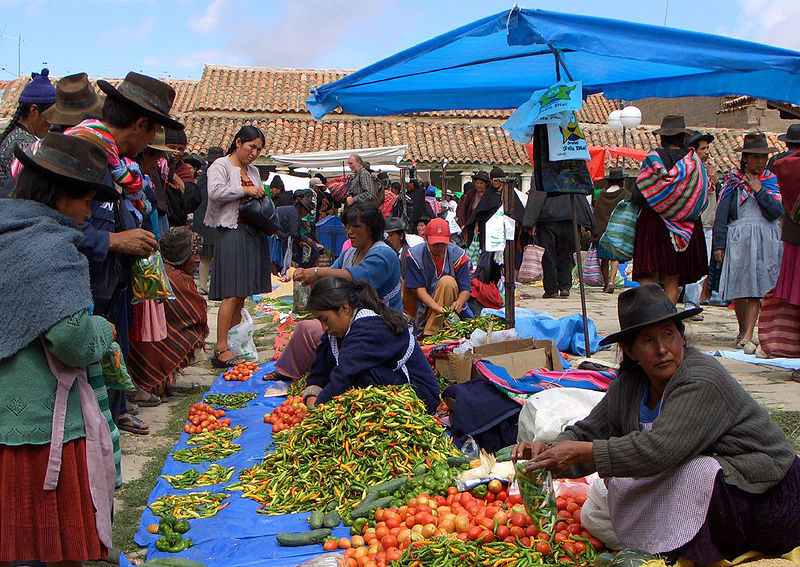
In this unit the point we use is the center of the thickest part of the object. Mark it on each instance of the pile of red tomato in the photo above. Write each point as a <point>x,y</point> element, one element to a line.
<point>287,415</point>
<point>497,517</point>
<point>240,372</point>
<point>203,418</point>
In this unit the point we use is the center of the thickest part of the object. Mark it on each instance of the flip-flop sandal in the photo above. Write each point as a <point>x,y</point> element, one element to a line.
<point>133,409</point>
<point>276,376</point>
<point>133,425</point>
<point>151,402</point>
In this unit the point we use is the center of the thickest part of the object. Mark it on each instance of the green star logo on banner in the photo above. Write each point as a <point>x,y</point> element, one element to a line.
<point>557,92</point>
<point>572,131</point>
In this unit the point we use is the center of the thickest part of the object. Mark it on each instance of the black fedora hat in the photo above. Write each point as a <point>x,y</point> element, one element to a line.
<point>150,95</point>
<point>792,135</point>
<point>672,125</point>
<point>81,164</point>
<point>481,176</point>
<point>394,224</point>
<point>642,306</point>
<point>616,174</point>
<point>695,137</point>
<point>756,143</point>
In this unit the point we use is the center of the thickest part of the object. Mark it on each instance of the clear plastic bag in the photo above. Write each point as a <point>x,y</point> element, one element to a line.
<point>115,373</point>
<point>536,488</point>
<point>149,279</point>
<point>240,338</point>
<point>300,293</point>
<point>327,560</point>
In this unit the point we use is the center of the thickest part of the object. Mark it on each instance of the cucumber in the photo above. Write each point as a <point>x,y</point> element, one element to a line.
<point>390,486</point>
<point>363,510</point>
<point>458,461</point>
<point>331,519</point>
<point>316,520</point>
<point>504,454</point>
<point>304,538</point>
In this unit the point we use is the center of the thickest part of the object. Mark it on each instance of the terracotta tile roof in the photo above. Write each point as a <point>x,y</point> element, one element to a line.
<point>429,141</point>
<point>11,92</point>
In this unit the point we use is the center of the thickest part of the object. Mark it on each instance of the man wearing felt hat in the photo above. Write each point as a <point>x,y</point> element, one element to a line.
<point>113,237</point>
<point>792,140</point>
<point>76,101</point>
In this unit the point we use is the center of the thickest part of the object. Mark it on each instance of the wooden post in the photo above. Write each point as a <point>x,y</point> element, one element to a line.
<point>508,259</point>
<point>402,195</point>
<point>578,259</point>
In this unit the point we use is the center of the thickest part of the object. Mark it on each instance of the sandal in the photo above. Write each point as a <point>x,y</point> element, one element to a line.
<point>132,425</point>
<point>150,402</point>
<point>277,377</point>
<point>217,362</point>
<point>133,409</point>
<point>795,376</point>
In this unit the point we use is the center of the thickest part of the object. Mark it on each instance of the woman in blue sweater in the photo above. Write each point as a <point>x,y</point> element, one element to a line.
<point>366,343</point>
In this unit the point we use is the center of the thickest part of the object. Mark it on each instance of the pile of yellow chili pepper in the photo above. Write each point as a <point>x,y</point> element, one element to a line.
<point>344,446</point>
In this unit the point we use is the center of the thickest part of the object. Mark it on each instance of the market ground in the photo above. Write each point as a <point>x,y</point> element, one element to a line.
<point>143,456</point>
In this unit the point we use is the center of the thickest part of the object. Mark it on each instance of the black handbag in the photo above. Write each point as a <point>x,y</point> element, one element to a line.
<point>260,214</point>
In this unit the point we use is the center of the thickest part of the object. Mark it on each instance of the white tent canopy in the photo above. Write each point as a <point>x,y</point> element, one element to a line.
<point>387,155</point>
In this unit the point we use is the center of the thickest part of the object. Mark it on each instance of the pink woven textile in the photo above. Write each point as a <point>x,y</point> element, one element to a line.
<point>299,354</point>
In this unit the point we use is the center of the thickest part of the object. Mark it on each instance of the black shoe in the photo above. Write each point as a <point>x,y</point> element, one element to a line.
<point>564,293</point>
<point>549,295</point>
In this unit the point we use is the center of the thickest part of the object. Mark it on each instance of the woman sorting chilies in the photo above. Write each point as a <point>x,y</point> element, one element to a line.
<point>365,343</point>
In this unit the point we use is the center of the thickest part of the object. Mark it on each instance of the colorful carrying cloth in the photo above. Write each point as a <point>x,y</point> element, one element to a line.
<point>736,180</point>
<point>678,195</point>
<point>539,379</point>
<point>125,171</point>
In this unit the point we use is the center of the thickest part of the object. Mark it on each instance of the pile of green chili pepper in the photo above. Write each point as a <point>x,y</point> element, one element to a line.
<point>192,505</point>
<point>229,401</point>
<point>149,279</point>
<point>344,446</point>
<point>221,435</point>
<point>210,452</point>
<point>297,387</point>
<point>464,329</point>
<point>448,551</point>
<point>215,474</point>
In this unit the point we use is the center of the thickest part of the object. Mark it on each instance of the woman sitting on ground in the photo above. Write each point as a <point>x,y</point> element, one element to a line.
<point>370,260</point>
<point>153,365</point>
<point>695,467</point>
<point>365,343</point>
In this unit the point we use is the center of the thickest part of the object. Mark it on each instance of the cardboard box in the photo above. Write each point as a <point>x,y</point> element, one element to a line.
<point>518,357</point>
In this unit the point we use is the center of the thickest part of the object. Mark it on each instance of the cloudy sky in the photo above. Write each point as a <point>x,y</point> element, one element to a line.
<point>175,38</point>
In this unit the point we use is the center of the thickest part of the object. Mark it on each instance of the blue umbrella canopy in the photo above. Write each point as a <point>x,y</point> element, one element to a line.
<point>498,61</point>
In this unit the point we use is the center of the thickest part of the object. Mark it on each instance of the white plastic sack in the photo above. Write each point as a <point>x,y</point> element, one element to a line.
<point>547,413</point>
<point>499,228</point>
<point>595,516</point>
<point>240,338</point>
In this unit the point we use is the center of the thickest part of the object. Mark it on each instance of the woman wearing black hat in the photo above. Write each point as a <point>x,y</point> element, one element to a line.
<point>747,235</point>
<point>57,468</point>
<point>695,467</point>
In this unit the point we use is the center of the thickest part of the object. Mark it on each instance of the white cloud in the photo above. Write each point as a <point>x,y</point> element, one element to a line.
<point>307,29</point>
<point>128,32</point>
<point>770,21</point>
<point>210,19</point>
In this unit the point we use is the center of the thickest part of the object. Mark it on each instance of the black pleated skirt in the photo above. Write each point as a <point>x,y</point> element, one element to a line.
<point>241,263</point>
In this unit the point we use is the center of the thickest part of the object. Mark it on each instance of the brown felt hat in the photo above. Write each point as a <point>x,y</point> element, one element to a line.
<point>77,162</point>
<point>756,143</point>
<point>76,100</point>
<point>672,125</point>
<point>150,95</point>
<point>642,306</point>
<point>792,135</point>
<point>159,142</point>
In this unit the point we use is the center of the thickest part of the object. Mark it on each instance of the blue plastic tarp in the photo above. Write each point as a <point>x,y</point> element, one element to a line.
<point>565,332</point>
<point>498,61</point>
<point>237,535</point>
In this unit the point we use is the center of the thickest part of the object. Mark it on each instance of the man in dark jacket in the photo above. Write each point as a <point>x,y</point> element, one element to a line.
<point>183,196</point>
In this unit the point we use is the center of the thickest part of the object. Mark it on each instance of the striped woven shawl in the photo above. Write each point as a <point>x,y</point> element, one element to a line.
<point>678,195</point>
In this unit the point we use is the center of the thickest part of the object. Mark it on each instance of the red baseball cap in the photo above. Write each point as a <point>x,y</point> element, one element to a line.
<point>438,231</point>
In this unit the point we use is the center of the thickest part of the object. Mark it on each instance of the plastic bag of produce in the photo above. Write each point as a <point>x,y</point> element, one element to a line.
<point>149,279</point>
<point>536,488</point>
<point>115,373</point>
<point>327,560</point>
<point>240,338</point>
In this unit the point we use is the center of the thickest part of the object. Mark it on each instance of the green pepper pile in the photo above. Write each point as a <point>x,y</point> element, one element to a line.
<point>344,446</point>
<point>192,505</point>
<point>172,530</point>
<point>435,482</point>
<point>297,387</point>
<point>218,436</point>
<point>448,551</point>
<point>209,452</point>
<point>229,401</point>
<point>463,329</point>
<point>215,474</point>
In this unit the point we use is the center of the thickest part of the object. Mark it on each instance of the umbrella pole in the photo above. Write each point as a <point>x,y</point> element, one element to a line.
<point>403,194</point>
<point>579,259</point>
<point>508,261</point>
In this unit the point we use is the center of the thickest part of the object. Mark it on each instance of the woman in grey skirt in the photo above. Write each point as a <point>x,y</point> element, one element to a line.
<point>241,253</point>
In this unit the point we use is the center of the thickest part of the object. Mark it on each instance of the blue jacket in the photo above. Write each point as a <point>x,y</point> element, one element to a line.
<point>370,354</point>
<point>380,267</point>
